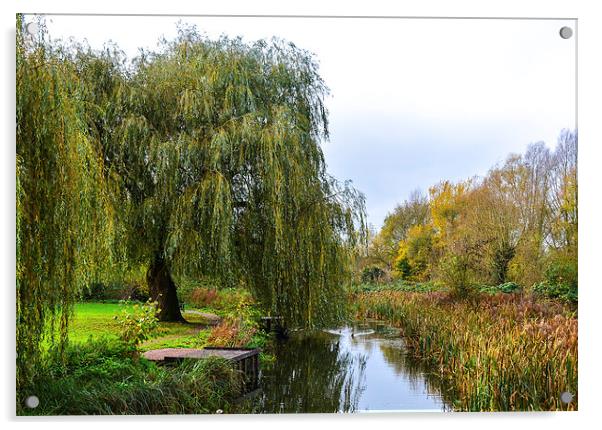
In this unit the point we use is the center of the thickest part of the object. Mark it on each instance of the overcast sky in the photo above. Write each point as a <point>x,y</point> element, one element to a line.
<point>413,101</point>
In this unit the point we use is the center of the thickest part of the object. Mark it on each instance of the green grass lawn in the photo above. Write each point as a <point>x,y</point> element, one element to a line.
<point>95,320</point>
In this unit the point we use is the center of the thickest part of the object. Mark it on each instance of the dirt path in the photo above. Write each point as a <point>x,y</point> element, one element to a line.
<point>208,318</point>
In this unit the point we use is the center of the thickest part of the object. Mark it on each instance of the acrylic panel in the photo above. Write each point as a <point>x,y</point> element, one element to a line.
<point>280,214</point>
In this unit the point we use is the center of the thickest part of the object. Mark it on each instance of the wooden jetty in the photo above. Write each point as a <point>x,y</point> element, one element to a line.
<point>244,360</point>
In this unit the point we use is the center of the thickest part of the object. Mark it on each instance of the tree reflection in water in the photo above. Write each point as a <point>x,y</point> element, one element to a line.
<point>392,347</point>
<point>418,375</point>
<point>314,374</point>
<point>359,368</point>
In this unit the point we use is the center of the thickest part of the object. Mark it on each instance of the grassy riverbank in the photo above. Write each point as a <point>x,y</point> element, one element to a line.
<point>100,373</point>
<point>93,321</point>
<point>108,377</point>
<point>500,352</point>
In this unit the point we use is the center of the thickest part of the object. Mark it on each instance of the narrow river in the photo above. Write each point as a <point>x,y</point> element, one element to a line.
<point>359,368</point>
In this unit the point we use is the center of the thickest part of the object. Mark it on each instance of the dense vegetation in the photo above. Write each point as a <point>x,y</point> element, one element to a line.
<point>517,224</point>
<point>499,352</point>
<point>102,370</point>
<point>103,377</point>
<point>64,217</point>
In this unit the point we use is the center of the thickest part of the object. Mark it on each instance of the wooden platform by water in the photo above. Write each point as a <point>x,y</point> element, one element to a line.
<point>245,360</point>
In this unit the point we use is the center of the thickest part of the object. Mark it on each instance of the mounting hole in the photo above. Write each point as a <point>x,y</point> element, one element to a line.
<point>32,28</point>
<point>566,397</point>
<point>566,32</point>
<point>32,402</point>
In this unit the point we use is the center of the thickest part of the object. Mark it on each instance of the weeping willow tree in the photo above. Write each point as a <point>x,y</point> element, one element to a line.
<point>201,159</point>
<point>64,215</point>
<point>217,147</point>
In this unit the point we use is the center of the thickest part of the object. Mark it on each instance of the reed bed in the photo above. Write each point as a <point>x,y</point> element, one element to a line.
<point>507,352</point>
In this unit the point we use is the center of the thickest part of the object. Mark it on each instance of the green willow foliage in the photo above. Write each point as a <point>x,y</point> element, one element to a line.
<point>64,217</point>
<point>218,148</point>
<point>200,159</point>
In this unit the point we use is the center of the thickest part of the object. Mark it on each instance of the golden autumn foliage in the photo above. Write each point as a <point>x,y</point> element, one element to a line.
<point>416,252</point>
<point>517,223</point>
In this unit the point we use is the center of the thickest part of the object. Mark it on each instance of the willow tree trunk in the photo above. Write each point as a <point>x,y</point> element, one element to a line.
<point>163,290</point>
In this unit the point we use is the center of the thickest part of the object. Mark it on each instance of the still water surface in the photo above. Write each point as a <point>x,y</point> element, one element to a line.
<point>359,368</point>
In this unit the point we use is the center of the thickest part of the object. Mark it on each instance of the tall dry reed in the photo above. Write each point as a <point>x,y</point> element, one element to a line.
<point>498,353</point>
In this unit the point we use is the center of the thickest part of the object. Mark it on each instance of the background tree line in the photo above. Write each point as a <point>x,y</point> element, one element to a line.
<point>516,224</point>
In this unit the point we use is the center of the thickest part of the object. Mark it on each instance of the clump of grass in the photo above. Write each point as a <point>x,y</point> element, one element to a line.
<point>104,377</point>
<point>232,332</point>
<point>499,353</point>
<point>240,321</point>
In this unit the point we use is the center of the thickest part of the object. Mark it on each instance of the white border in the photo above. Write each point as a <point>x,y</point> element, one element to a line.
<point>590,166</point>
